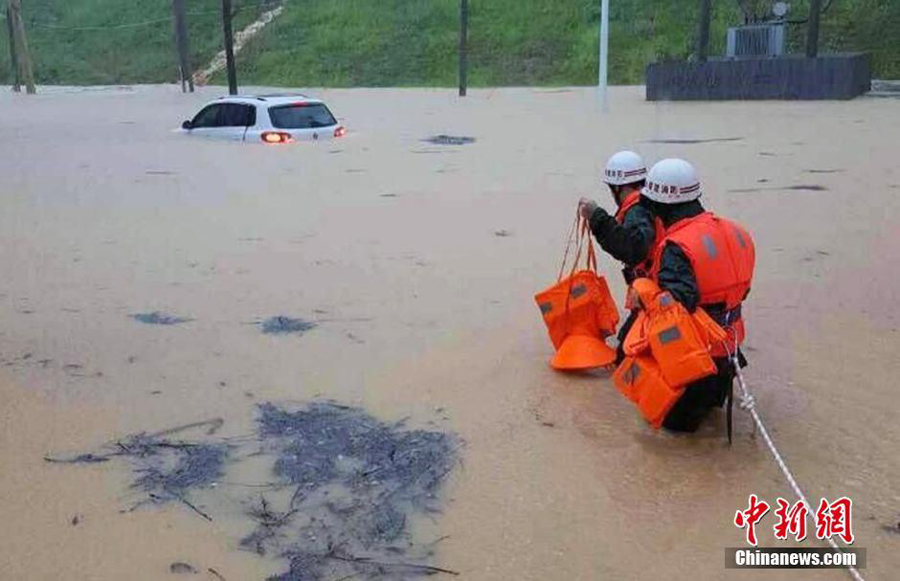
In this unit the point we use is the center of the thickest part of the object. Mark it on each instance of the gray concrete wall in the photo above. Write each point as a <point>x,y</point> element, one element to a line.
<point>837,76</point>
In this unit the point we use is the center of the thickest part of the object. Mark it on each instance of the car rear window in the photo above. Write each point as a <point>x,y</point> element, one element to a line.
<point>301,116</point>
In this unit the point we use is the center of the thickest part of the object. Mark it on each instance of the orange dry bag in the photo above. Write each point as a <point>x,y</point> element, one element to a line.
<point>579,311</point>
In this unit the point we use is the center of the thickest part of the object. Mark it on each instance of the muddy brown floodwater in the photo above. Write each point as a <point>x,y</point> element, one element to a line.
<point>388,244</point>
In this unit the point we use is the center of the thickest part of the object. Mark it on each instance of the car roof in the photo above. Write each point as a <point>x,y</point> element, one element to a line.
<point>269,99</point>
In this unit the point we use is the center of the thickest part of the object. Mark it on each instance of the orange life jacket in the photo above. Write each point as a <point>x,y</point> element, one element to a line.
<point>667,348</point>
<point>722,257</point>
<point>630,201</point>
<point>640,380</point>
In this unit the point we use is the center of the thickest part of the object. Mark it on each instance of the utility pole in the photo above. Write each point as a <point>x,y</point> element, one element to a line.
<point>812,29</point>
<point>703,33</point>
<point>13,62</point>
<point>463,46</point>
<point>182,43</point>
<point>603,73</point>
<point>23,57</point>
<point>229,47</point>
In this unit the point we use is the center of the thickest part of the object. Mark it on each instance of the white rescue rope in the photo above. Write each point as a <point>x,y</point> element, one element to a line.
<point>748,403</point>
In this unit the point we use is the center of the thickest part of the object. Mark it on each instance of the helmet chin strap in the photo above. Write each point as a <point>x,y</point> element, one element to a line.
<point>620,191</point>
<point>616,194</point>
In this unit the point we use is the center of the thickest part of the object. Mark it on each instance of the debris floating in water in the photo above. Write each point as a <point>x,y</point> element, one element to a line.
<point>808,188</point>
<point>355,482</point>
<point>158,318</point>
<point>280,325</point>
<point>694,141</point>
<point>182,568</point>
<point>336,502</point>
<point>166,470</point>
<point>449,140</point>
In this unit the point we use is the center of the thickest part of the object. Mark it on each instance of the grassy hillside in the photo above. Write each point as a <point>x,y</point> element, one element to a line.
<point>413,42</point>
<point>85,42</point>
<point>512,42</point>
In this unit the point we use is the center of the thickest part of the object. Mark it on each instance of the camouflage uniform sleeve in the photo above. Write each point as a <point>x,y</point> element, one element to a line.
<point>629,242</point>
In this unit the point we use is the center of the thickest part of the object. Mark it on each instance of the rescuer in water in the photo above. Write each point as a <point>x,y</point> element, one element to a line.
<point>706,263</point>
<point>631,234</point>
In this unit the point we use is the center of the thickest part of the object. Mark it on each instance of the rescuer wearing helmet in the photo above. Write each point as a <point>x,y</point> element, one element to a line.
<point>705,261</point>
<point>630,235</point>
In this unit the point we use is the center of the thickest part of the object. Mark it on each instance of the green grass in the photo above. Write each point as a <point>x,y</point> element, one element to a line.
<point>343,43</point>
<point>140,54</point>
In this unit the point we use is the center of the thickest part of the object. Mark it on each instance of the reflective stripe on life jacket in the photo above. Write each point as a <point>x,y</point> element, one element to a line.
<point>643,268</point>
<point>722,256</point>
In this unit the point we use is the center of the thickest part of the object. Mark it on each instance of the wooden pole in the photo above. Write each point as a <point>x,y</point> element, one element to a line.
<point>182,43</point>
<point>229,47</point>
<point>463,46</point>
<point>812,29</point>
<point>13,62</point>
<point>22,55</point>
<point>703,32</point>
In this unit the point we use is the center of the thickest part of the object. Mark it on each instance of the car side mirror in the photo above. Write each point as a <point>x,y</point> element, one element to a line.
<point>186,125</point>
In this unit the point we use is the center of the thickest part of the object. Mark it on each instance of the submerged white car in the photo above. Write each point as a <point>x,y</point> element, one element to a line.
<point>273,119</point>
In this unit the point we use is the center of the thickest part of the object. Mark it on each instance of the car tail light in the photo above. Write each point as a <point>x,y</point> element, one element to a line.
<point>340,131</point>
<point>276,137</point>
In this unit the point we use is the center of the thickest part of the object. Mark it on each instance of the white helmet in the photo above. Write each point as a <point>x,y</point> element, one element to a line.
<point>672,181</point>
<point>625,167</point>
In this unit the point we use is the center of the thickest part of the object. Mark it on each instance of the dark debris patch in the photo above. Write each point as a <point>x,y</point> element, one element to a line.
<point>169,469</point>
<point>336,501</point>
<point>695,141</point>
<point>182,569</point>
<point>807,188</point>
<point>158,318</point>
<point>281,325</point>
<point>449,140</point>
<point>356,481</point>
<point>166,470</point>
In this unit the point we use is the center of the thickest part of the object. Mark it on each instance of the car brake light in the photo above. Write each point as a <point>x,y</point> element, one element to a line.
<point>340,131</point>
<point>276,137</point>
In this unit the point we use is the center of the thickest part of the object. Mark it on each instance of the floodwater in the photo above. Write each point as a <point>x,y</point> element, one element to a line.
<point>418,263</point>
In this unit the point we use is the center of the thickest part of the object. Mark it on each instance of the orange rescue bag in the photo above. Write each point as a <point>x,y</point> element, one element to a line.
<point>579,311</point>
